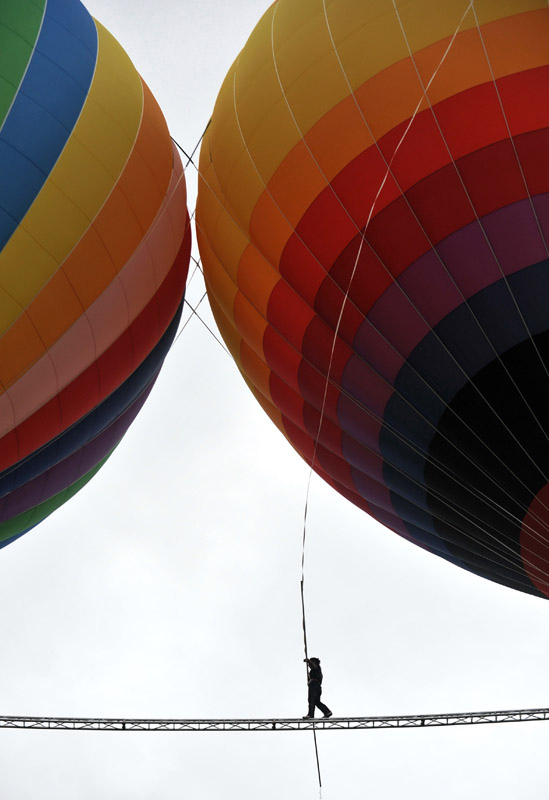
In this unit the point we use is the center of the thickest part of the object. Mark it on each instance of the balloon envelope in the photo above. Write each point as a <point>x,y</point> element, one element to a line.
<point>373,220</point>
<point>94,252</point>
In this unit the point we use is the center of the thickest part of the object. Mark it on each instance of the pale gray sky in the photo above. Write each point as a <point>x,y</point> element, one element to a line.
<point>169,587</point>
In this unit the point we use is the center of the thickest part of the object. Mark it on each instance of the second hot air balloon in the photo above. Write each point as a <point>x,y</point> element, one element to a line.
<point>94,252</point>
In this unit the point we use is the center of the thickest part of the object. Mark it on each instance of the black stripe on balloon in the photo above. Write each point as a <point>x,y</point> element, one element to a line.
<point>485,439</point>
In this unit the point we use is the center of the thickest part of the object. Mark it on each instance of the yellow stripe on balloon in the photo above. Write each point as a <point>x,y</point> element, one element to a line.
<point>80,182</point>
<point>254,102</point>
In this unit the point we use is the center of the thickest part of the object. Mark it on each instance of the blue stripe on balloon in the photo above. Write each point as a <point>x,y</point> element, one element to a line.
<point>46,108</point>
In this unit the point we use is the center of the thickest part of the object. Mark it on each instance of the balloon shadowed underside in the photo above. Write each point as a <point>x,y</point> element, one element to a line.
<point>94,252</point>
<point>373,221</point>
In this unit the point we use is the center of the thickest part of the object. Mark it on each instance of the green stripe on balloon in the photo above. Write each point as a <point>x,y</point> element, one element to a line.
<point>23,522</point>
<point>21,21</point>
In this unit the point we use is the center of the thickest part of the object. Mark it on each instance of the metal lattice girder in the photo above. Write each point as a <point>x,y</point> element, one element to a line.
<point>298,724</point>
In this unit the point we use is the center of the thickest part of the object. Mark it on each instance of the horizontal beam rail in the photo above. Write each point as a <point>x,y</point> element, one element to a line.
<point>297,724</point>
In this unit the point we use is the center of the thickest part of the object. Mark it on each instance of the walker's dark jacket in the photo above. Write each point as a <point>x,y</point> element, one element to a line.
<point>315,675</point>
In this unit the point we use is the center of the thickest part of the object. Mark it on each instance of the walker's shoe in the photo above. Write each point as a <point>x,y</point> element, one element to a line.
<point>308,716</point>
<point>328,715</point>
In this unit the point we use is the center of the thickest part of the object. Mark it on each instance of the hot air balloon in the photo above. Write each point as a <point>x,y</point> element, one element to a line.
<point>373,221</point>
<point>94,252</point>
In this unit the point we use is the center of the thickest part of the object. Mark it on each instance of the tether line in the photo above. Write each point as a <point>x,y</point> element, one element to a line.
<point>305,648</point>
<point>197,315</point>
<point>197,145</point>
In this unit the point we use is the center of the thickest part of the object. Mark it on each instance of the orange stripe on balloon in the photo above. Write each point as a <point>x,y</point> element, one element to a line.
<point>257,278</point>
<point>102,252</point>
<point>256,371</point>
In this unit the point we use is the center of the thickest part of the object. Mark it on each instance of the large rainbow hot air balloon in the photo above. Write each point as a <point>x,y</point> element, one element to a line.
<point>94,252</point>
<point>373,220</point>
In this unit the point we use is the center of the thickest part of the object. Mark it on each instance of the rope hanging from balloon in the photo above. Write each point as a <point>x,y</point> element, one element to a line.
<point>304,622</point>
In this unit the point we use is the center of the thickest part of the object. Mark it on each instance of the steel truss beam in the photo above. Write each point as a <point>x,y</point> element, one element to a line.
<point>334,723</point>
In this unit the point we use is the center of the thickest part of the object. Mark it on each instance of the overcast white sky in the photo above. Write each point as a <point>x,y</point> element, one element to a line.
<point>169,587</point>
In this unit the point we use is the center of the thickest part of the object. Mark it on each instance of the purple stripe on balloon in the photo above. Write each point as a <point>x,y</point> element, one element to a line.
<point>431,288</point>
<point>358,423</point>
<point>515,236</point>
<point>66,472</point>
<point>364,385</point>
<point>375,493</point>
<point>397,319</point>
<point>469,259</point>
<point>511,233</point>
<point>370,346</point>
<point>367,460</point>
